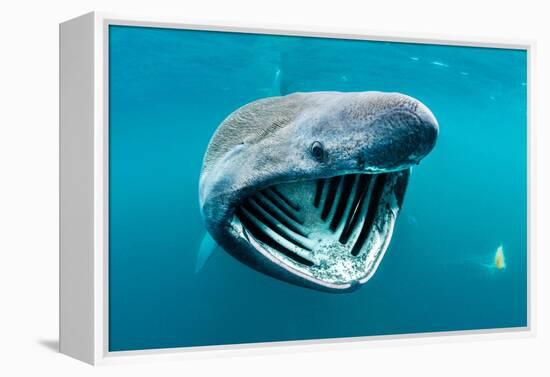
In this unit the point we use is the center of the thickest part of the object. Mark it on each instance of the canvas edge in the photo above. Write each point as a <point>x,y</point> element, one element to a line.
<point>76,190</point>
<point>101,354</point>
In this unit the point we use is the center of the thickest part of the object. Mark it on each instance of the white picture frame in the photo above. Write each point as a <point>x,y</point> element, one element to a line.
<point>84,189</point>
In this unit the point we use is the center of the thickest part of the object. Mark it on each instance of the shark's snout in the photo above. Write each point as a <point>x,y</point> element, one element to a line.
<point>399,137</point>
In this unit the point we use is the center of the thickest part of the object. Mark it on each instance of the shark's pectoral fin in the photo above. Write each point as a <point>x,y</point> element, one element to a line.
<point>207,247</point>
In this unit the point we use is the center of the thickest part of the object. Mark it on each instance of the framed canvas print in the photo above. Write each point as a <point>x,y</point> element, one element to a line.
<point>224,187</point>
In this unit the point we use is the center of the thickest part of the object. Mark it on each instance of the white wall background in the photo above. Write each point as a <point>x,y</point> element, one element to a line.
<point>29,184</point>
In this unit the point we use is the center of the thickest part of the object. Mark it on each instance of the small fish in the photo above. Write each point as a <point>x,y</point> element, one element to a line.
<point>500,262</point>
<point>490,262</point>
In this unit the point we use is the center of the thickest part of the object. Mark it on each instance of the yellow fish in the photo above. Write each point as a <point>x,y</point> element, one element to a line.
<point>500,262</point>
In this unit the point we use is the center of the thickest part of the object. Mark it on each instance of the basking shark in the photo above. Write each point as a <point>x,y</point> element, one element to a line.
<point>307,187</point>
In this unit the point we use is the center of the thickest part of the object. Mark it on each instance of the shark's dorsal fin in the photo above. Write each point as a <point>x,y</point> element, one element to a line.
<point>276,85</point>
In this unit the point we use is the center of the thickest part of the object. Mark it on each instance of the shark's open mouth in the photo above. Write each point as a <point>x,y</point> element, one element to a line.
<point>332,232</point>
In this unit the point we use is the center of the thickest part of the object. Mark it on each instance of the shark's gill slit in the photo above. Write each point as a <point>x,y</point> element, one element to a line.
<point>319,185</point>
<point>282,206</point>
<point>376,195</point>
<point>255,229</point>
<point>285,199</point>
<point>363,185</point>
<point>279,216</point>
<point>270,222</point>
<point>342,202</point>
<point>331,193</point>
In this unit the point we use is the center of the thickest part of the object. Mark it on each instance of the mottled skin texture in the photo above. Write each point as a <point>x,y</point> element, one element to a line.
<point>269,142</point>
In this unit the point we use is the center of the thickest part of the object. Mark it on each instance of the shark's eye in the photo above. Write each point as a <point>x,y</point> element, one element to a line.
<point>317,151</point>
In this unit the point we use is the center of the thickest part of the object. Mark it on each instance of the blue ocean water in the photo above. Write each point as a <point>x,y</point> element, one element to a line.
<point>169,91</point>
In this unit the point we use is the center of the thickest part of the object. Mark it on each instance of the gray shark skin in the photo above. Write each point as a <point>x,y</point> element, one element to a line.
<point>306,187</point>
